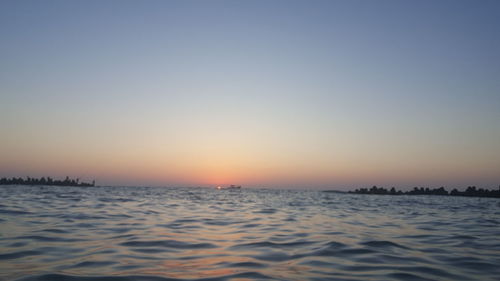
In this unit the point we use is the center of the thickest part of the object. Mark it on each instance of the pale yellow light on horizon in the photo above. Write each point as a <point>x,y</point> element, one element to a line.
<point>219,149</point>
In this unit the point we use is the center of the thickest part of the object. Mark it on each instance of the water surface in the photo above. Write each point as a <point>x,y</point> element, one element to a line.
<point>132,233</point>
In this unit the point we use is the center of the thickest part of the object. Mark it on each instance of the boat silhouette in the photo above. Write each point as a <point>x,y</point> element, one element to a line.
<point>232,186</point>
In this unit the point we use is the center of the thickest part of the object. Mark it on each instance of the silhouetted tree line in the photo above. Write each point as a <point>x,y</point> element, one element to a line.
<point>470,191</point>
<point>45,181</point>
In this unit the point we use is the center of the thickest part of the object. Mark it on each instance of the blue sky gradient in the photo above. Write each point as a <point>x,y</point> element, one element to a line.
<point>312,94</point>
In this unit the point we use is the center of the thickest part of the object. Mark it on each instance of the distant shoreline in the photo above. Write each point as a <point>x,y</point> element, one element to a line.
<point>471,191</point>
<point>45,181</point>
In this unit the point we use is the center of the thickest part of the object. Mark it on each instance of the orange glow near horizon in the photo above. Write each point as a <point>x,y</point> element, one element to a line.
<point>223,153</point>
<point>180,168</point>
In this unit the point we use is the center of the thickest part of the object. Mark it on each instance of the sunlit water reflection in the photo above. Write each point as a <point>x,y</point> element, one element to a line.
<point>65,233</point>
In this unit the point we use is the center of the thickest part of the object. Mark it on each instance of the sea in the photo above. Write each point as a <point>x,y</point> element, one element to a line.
<point>166,234</point>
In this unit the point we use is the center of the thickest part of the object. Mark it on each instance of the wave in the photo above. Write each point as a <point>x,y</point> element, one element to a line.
<point>168,244</point>
<point>126,233</point>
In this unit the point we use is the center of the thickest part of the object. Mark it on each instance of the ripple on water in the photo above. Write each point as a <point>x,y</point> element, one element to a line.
<point>247,264</point>
<point>14,212</point>
<point>162,234</point>
<point>267,244</point>
<point>55,230</point>
<point>94,263</point>
<point>19,254</point>
<point>56,277</point>
<point>383,244</point>
<point>50,238</point>
<point>168,244</point>
<point>407,276</point>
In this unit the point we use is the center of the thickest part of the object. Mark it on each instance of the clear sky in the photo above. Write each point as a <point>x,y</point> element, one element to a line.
<point>301,94</point>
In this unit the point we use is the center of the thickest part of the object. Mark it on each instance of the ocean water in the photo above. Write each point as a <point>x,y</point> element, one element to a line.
<point>125,233</point>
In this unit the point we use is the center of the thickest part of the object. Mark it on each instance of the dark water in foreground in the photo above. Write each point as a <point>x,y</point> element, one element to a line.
<point>65,233</point>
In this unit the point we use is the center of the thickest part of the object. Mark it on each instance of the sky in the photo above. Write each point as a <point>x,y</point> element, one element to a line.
<point>286,94</point>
